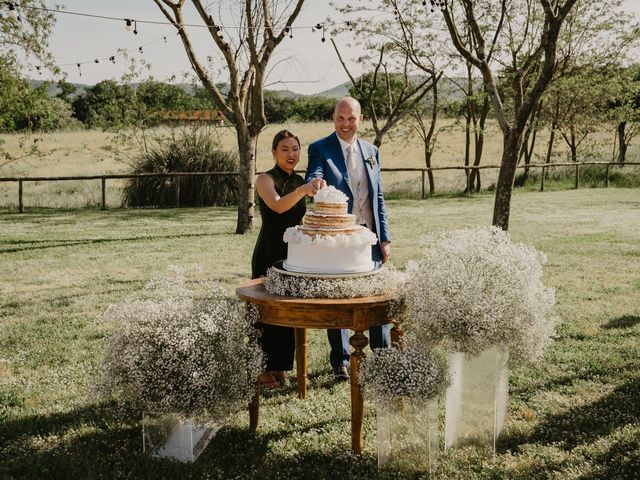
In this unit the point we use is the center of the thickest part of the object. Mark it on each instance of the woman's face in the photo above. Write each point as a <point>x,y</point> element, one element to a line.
<point>287,154</point>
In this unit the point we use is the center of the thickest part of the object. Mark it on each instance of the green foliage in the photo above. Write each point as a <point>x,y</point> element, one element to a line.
<point>25,108</point>
<point>279,109</point>
<point>106,104</point>
<point>193,150</point>
<point>163,96</point>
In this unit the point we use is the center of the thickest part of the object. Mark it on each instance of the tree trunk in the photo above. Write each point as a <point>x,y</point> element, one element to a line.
<point>246,200</point>
<point>512,141</point>
<point>622,145</point>
<point>479,145</point>
<point>427,158</point>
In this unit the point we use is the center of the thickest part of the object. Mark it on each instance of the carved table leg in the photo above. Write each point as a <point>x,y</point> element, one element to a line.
<point>396,336</point>
<point>301,361</point>
<point>358,341</point>
<point>254,409</point>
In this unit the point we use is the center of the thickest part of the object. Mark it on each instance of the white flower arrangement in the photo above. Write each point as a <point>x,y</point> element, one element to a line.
<point>390,374</point>
<point>181,347</point>
<point>474,289</point>
<point>333,287</point>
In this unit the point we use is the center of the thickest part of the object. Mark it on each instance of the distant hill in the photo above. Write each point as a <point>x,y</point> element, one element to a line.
<point>448,90</point>
<point>336,92</point>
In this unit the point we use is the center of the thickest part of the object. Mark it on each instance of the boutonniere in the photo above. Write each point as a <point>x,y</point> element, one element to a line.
<point>371,160</point>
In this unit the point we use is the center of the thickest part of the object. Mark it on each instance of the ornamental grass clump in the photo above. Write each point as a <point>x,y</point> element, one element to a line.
<point>474,289</point>
<point>183,347</point>
<point>389,374</point>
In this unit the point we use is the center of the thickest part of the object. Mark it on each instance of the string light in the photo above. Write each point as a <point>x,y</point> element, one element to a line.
<point>127,25</point>
<point>135,28</point>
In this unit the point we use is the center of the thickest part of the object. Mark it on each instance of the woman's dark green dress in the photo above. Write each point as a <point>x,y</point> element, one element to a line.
<point>278,343</point>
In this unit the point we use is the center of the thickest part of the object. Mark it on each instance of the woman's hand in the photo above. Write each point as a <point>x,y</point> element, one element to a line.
<point>312,187</point>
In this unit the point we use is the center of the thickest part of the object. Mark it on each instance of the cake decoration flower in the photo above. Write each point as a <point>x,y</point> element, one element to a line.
<point>371,160</point>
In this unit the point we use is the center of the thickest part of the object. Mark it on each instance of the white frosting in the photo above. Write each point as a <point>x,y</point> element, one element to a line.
<point>330,194</point>
<point>329,253</point>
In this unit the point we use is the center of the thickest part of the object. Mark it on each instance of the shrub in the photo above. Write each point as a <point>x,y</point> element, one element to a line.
<point>193,150</point>
<point>181,347</point>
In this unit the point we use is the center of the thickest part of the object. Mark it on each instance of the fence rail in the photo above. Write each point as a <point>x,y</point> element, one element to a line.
<point>103,178</point>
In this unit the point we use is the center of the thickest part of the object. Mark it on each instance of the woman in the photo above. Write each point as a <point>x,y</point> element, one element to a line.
<point>281,195</point>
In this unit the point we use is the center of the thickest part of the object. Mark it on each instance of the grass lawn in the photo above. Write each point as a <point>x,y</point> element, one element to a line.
<point>576,415</point>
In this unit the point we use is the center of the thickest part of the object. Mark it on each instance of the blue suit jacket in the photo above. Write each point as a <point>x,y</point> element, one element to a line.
<point>326,160</point>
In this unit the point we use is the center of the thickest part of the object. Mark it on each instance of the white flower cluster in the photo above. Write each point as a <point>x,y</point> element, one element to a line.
<point>183,347</point>
<point>390,374</point>
<point>475,288</point>
<point>382,282</point>
<point>364,236</point>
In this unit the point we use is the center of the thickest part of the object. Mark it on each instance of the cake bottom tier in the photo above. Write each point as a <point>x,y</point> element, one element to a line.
<point>328,258</point>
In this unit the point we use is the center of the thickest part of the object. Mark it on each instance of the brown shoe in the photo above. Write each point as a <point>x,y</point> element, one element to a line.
<point>267,380</point>
<point>281,377</point>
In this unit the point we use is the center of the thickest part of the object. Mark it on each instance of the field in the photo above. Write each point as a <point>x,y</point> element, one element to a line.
<point>574,416</point>
<point>97,152</point>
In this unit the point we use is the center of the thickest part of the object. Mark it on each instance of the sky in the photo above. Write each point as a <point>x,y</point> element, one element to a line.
<point>303,64</point>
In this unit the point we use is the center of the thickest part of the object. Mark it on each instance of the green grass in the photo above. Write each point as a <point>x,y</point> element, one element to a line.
<point>576,415</point>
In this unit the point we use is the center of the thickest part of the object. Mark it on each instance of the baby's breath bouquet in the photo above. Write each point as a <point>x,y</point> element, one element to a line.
<point>390,374</point>
<point>181,346</point>
<point>474,289</point>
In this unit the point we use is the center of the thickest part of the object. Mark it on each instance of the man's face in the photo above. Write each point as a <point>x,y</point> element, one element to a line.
<point>346,119</point>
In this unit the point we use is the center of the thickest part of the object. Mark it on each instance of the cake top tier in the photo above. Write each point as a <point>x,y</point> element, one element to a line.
<point>330,195</point>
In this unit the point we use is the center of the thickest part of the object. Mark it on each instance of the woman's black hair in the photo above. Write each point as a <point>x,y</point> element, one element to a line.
<point>281,135</point>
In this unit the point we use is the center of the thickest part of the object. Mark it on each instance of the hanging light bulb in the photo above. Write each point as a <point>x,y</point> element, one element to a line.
<point>128,24</point>
<point>140,49</point>
<point>79,69</point>
<point>135,27</point>
<point>323,39</point>
<point>13,13</point>
<point>112,59</point>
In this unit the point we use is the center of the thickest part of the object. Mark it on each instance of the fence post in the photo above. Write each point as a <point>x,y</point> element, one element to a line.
<point>104,193</point>
<point>606,176</point>
<point>20,205</point>
<point>544,171</point>
<point>577,175</point>
<point>422,185</point>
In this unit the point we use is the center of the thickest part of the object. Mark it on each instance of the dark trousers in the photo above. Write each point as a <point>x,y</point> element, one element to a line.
<point>379,337</point>
<point>278,345</point>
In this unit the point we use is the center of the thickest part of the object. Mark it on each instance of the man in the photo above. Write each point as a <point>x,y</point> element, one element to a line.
<point>353,166</point>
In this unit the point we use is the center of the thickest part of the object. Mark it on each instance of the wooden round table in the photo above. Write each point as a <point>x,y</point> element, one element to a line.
<point>357,314</point>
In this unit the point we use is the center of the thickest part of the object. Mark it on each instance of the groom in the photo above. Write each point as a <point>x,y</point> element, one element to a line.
<point>353,166</point>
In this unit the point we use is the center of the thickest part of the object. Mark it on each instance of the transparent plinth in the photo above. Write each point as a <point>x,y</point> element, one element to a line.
<point>171,435</point>
<point>407,435</point>
<point>476,402</point>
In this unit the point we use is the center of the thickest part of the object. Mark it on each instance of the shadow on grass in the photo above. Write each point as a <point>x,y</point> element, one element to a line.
<point>625,321</point>
<point>105,441</point>
<point>585,424</point>
<point>94,241</point>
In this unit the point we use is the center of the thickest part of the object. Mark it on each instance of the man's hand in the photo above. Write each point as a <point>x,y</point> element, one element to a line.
<point>386,251</point>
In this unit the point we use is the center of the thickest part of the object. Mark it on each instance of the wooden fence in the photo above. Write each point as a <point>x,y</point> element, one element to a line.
<point>423,171</point>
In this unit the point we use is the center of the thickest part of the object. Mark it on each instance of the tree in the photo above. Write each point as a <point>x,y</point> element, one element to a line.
<point>243,52</point>
<point>399,62</point>
<point>107,104</point>
<point>624,109</point>
<point>528,83</point>
<point>28,34</point>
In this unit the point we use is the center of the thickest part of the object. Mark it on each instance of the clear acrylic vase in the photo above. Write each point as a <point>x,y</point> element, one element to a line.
<point>171,435</point>
<point>407,435</point>
<point>476,403</point>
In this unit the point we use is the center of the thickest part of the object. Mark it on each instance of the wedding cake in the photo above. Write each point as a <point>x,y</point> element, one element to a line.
<point>329,241</point>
